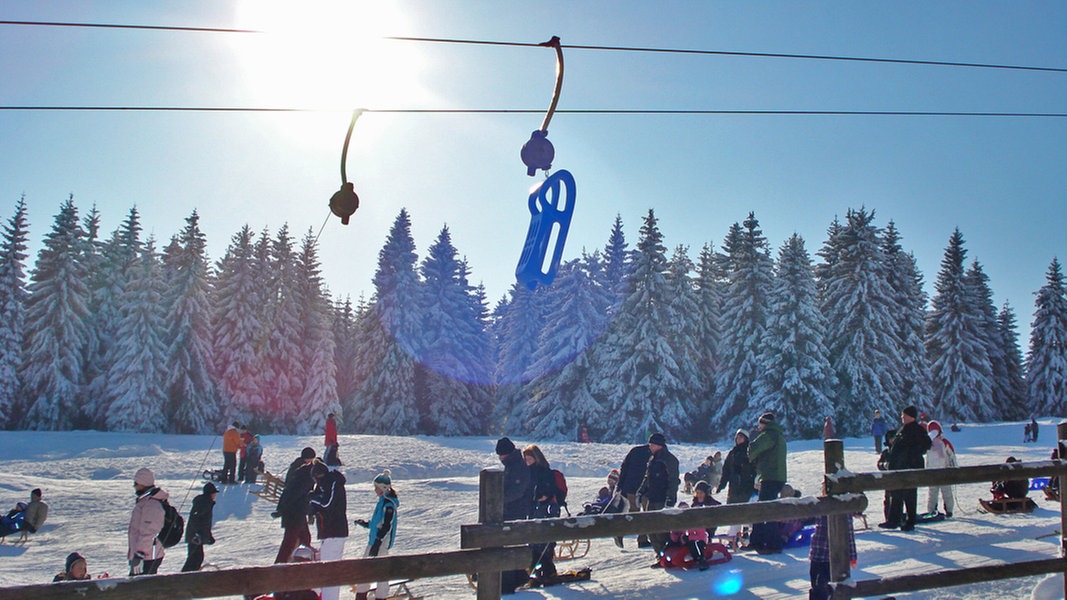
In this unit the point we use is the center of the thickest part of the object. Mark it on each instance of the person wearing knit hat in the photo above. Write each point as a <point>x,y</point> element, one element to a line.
<point>293,505</point>
<point>518,489</point>
<point>382,530</point>
<point>36,512</point>
<point>906,451</point>
<point>504,446</point>
<point>329,504</point>
<point>76,569</point>
<point>767,452</point>
<point>940,456</point>
<point>198,527</point>
<point>659,489</point>
<point>145,552</point>
<point>740,476</point>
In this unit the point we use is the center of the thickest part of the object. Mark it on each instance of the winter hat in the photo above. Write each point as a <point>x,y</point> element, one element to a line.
<point>72,558</point>
<point>613,478</point>
<point>743,432</point>
<point>911,411</point>
<point>657,439</point>
<point>145,477</point>
<point>703,485</point>
<point>504,446</point>
<point>318,469</point>
<point>307,453</point>
<point>209,488</point>
<point>21,506</point>
<point>767,417</point>
<point>934,428</point>
<point>384,480</point>
<point>36,493</point>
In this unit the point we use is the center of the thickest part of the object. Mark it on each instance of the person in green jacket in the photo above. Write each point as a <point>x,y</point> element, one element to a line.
<point>767,453</point>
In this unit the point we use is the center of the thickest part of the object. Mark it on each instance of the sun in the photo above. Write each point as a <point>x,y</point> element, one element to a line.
<point>325,54</point>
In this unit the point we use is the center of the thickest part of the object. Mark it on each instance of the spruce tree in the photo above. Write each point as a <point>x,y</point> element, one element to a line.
<point>637,370</point>
<point>1009,386</point>
<point>1046,359</point>
<point>385,401</point>
<point>980,299</point>
<point>237,327</point>
<point>138,356</point>
<point>344,327</point>
<point>685,403</point>
<point>318,350</point>
<point>906,285</point>
<point>190,406</point>
<point>959,360</point>
<point>516,330</point>
<point>12,311</point>
<point>710,291</point>
<point>862,339</point>
<point>56,326</point>
<point>617,266</point>
<point>797,382</point>
<point>281,355</point>
<point>745,312</point>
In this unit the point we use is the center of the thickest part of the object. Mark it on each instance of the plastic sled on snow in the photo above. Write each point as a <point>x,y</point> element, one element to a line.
<point>677,557</point>
<point>801,538</point>
<point>1004,506</point>
<point>1038,483</point>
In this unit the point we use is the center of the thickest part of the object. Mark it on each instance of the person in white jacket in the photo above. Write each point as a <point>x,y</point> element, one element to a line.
<point>145,552</point>
<point>940,456</point>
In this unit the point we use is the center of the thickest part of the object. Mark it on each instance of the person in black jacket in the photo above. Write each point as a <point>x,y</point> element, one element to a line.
<point>739,474</point>
<point>659,489</point>
<point>293,505</point>
<point>198,527</point>
<point>517,493</point>
<point>631,474</point>
<point>906,452</point>
<point>329,504</point>
<point>543,504</point>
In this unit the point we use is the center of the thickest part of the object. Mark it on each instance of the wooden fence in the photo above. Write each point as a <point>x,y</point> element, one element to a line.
<point>493,546</point>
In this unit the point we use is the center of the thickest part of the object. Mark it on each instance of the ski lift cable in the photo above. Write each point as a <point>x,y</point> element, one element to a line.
<point>592,47</point>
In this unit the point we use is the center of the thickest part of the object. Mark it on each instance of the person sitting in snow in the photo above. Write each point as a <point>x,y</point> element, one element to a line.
<point>695,540</point>
<point>702,497</point>
<point>76,569</point>
<point>1010,495</point>
<point>710,471</point>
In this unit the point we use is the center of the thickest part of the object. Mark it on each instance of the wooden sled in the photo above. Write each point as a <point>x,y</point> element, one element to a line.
<point>1006,506</point>
<point>572,549</point>
<point>272,487</point>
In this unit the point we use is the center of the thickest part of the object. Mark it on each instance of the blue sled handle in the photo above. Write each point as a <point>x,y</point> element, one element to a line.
<point>551,207</point>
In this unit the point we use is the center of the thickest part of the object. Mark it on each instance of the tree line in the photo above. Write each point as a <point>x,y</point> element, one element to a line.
<point>113,333</point>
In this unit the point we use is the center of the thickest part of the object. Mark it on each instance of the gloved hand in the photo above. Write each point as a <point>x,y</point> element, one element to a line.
<point>275,515</point>
<point>361,523</point>
<point>376,547</point>
<point>137,564</point>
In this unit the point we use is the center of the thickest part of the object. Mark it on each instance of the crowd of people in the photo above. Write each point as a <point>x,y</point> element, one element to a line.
<point>648,479</point>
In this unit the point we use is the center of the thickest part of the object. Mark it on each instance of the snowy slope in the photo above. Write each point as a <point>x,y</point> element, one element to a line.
<point>87,480</point>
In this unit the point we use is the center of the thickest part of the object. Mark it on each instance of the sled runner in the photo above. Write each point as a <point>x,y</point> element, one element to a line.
<point>212,475</point>
<point>677,557</point>
<point>583,574</point>
<point>572,549</point>
<point>1006,506</point>
<point>272,487</point>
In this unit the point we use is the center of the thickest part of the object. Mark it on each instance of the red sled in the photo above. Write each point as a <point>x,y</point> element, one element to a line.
<point>677,557</point>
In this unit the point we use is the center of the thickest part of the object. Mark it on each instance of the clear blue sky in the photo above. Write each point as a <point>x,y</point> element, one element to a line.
<point>1002,181</point>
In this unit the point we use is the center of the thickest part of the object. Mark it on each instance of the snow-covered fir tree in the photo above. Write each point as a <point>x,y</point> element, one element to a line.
<point>190,406</point>
<point>708,318</point>
<point>689,405</point>
<point>797,382</point>
<point>980,297</point>
<point>614,276</point>
<point>862,328</point>
<point>385,402</point>
<point>108,264</point>
<point>343,324</point>
<point>319,396</point>
<point>1046,358</point>
<point>1009,385</point>
<point>906,285</point>
<point>745,312</point>
<point>560,395</point>
<point>453,348</point>
<point>138,355</point>
<point>12,310</point>
<point>637,368</point>
<point>516,330</point>
<point>281,356</point>
<point>955,343</point>
<point>56,325</point>
<point>828,254</point>
<point>237,326</point>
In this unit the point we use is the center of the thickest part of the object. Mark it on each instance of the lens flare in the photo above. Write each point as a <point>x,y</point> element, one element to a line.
<point>727,583</point>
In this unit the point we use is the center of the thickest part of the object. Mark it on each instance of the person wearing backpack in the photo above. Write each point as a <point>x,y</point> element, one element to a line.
<point>145,551</point>
<point>543,504</point>
<point>198,531</point>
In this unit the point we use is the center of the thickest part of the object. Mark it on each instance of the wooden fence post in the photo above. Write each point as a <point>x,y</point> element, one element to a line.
<point>1061,441</point>
<point>837,525</point>
<point>490,510</point>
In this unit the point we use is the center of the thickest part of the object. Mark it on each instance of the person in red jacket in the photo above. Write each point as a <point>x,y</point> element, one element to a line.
<point>330,455</point>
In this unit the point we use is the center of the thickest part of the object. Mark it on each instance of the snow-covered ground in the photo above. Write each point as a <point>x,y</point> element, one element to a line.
<point>87,480</point>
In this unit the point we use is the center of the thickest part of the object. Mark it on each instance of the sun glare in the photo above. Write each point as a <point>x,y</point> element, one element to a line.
<point>327,54</point>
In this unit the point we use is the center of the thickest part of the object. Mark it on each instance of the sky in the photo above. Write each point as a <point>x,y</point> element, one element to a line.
<point>85,477</point>
<point>1000,180</point>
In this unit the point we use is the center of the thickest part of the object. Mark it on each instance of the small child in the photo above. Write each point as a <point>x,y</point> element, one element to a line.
<point>696,540</point>
<point>76,569</point>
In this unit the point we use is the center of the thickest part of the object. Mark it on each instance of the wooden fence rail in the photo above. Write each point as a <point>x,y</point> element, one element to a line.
<point>277,578</point>
<point>917,478</point>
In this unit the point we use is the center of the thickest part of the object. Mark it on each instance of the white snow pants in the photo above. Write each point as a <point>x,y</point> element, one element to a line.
<point>382,589</point>
<point>947,496</point>
<point>332,549</point>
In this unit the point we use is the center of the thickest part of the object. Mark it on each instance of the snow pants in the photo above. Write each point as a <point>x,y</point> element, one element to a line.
<point>332,549</point>
<point>765,535</point>
<point>294,536</point>
<point>946,496</point>
<point>381,589</point>
<point>229,467</point>
<point>195,558</point>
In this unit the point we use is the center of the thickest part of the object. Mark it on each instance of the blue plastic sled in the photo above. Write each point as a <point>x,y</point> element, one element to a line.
<point>1038,483</point>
